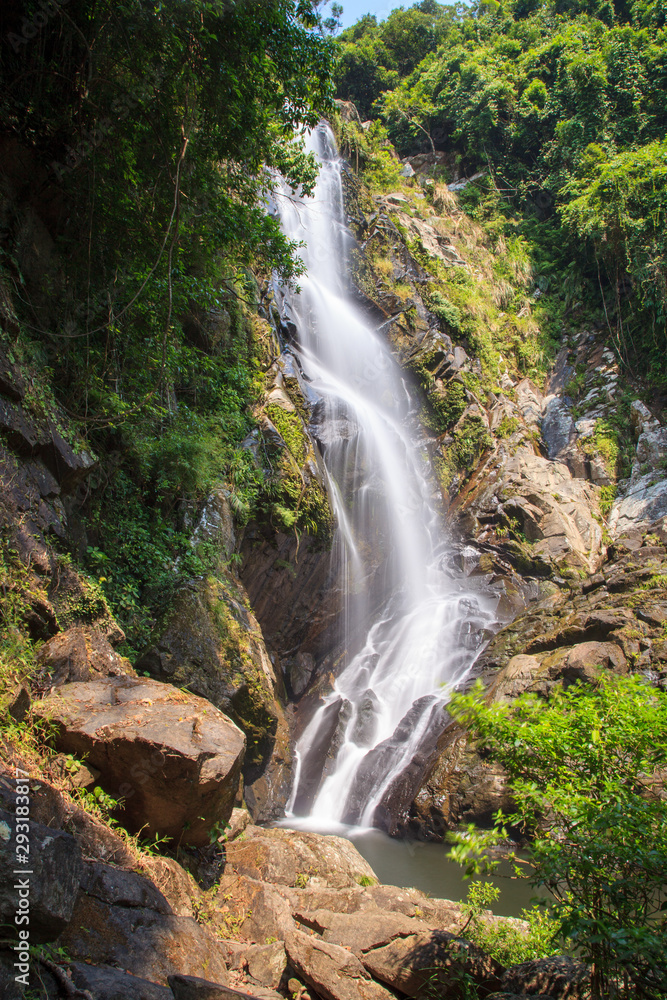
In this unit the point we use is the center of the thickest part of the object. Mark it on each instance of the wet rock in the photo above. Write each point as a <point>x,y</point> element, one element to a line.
<point>107,983</point>
<point>560,978</point>
<point>287,857</point>
<point>267,963</point>
<point>122,919</point>
<point>437,960</point>
<point>333,972</point>
<point>49,891</point>
<point>173,758</point>
<point>400,793</point>
<point>81,654</point>
<point>293,590</point>
<point>300,671</point>
<point>363,732</point>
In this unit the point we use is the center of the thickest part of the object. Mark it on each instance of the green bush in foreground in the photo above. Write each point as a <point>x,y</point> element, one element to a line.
<point>584,771</point>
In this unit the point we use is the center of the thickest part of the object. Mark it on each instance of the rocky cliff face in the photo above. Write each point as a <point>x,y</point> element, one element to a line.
<point>552,480</point>
<point>554,490</point>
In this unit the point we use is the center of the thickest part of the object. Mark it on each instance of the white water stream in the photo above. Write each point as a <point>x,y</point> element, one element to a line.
<point>424,625</point>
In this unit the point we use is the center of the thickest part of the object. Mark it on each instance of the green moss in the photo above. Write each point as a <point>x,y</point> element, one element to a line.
<point>450,404</point>
<point>251,704</point>
<point>85,607</point>
<point>470,441</point>
<point>289,425</point>
<point>507,427</point>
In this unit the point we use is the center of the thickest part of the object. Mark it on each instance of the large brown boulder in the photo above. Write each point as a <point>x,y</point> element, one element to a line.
<point>430,961</point>
<point>295,858</point>
<point>333,972</point>
<point>81,654</point>
<point>172,758</point>
<point>559,977</point>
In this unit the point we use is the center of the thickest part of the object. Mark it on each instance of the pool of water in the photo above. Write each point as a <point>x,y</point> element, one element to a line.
<point>425,866</point>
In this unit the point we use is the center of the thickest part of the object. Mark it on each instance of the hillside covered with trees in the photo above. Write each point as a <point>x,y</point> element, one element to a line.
<point>562,106</point>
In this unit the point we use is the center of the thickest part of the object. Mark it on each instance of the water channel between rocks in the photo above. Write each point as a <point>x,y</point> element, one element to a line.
<point>411,623</point>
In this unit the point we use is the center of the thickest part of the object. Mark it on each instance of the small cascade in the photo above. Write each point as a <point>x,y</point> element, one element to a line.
<point>423,626</point>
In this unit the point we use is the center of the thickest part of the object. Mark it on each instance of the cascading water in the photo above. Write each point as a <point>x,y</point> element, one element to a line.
<point>422,629</point>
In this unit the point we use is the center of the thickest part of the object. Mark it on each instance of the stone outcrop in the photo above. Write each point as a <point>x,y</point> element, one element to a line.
<point>212,643</point>
<point>121,919</point>
<point>81,654</point>
<point>53,867</point>
<point>173,759</point>
<point>287,857</point>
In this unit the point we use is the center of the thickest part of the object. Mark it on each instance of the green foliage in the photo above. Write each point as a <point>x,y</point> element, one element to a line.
<point>160,131</point>
<point>503,940</point>
<point>563,105</point>
<point>445,311</point>
<point>581,771</point>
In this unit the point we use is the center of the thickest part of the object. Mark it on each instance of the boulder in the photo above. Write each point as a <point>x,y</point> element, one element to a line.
<point>193,988</point>
<point>267,963</point>
<point>289,857</point>
<point>50,869</point>
<point>251,909</point>
<point>333,972</point>
<point>362,931</point>
<point>425,962</point>
<point>122,919</point>
<point>173,758</point>
<point>559,977</point>
<point>107,983</point>
<point>81,654</point>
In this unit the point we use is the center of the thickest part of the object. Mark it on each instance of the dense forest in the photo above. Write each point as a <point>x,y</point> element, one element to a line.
<point>562,106</point>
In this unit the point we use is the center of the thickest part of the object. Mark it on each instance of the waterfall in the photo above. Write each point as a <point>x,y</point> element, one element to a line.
<point>422,625</point>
